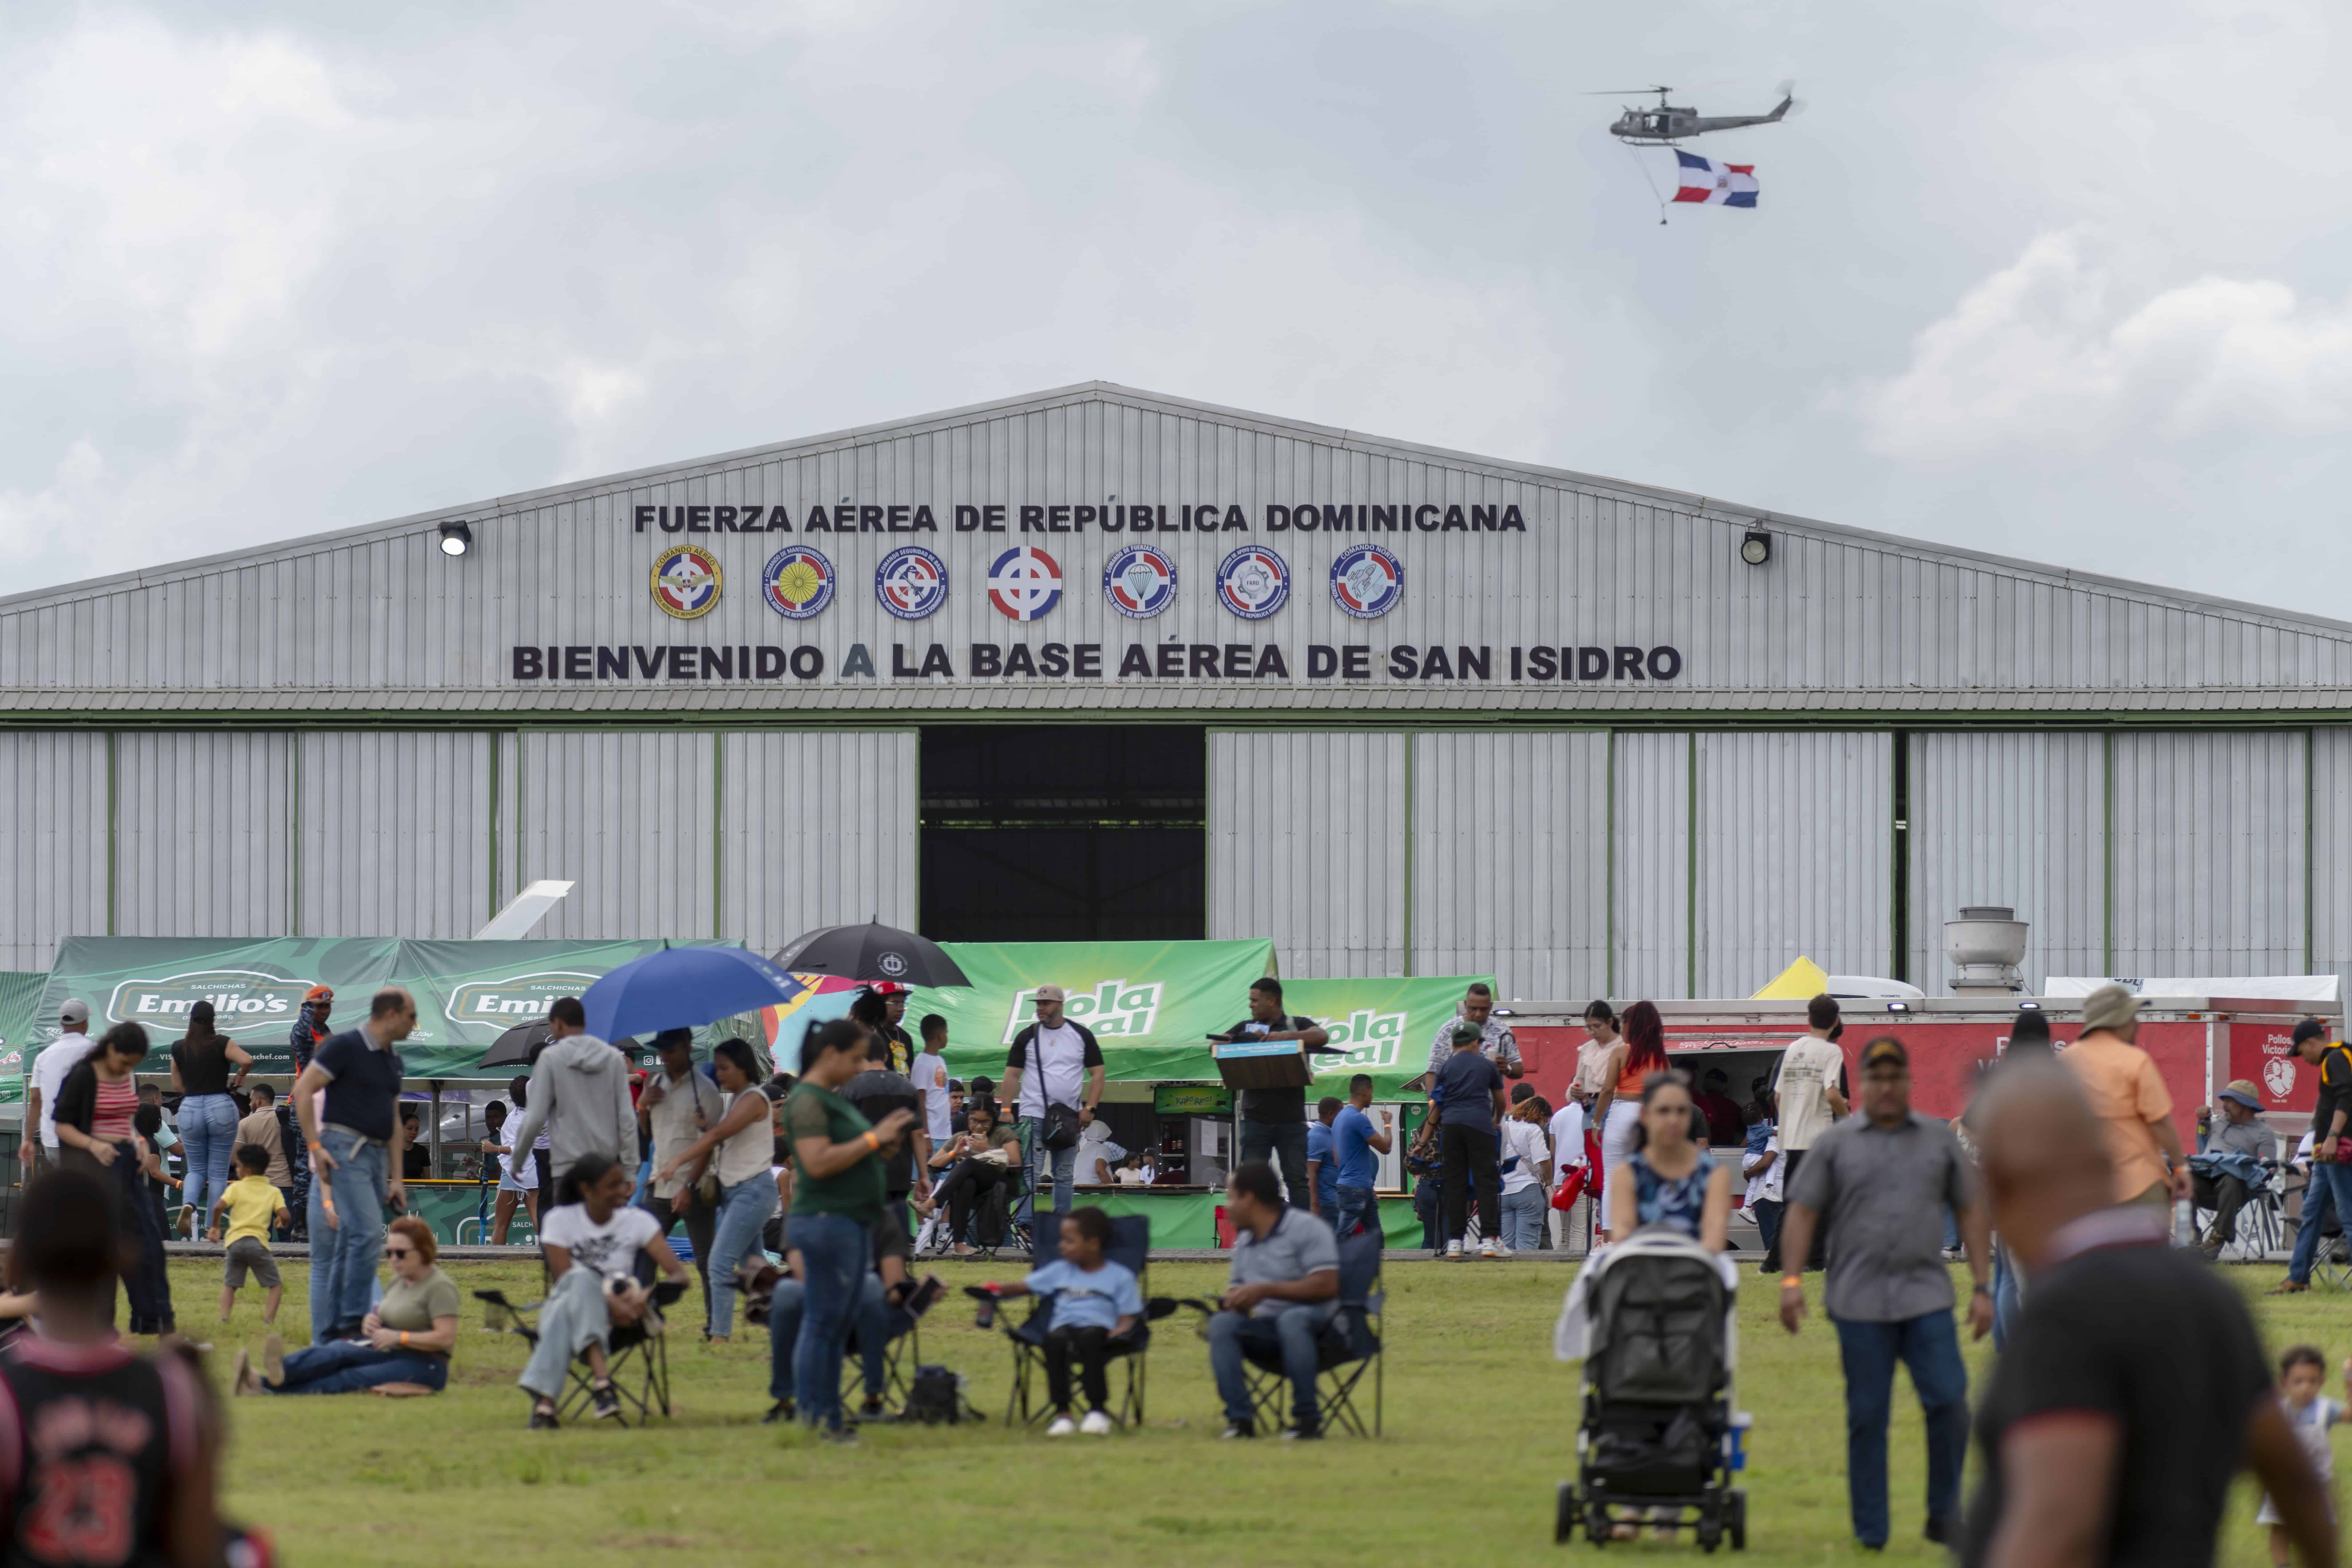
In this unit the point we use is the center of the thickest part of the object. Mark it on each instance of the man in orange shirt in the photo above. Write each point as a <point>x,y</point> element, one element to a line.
<point>2127,1095</point>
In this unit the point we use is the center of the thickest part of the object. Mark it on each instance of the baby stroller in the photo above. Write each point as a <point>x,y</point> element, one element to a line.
<point>1657,1444</point>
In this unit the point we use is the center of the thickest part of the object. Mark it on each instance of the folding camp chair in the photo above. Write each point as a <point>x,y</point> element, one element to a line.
<point>2331,1264</point>
<point>901,1354</point>
<point>636,1356</point>
<point>1349,1346</point>
<point>1130,1244</point>
<point>2261,1220</point>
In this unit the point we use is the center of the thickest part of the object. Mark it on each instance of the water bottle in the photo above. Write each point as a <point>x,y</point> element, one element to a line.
<point>986,1318</point>
<point>1740,1421</point>
<point>2184,1225</point>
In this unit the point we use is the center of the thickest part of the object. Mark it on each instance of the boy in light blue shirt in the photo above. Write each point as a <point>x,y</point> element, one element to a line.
<point>1095,1301</point>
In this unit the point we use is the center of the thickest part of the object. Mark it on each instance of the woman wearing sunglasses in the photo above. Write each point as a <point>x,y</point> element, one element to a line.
<point>409,1335</point>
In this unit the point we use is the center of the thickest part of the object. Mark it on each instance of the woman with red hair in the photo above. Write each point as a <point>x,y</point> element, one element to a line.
<point>1617,1110</point>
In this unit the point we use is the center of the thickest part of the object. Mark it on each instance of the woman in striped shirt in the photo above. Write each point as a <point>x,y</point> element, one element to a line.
<point>96,1109</point>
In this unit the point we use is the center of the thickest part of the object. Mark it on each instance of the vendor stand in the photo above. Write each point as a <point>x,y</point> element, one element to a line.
<point>1152,1007</point>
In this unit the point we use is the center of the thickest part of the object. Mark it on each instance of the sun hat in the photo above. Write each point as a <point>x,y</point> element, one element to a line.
<point>2109,1008</point>
<point>2243,1091</point>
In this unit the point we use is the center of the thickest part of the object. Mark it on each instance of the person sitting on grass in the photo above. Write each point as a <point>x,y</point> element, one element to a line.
<point>250,1205</point>
<point>1283,1288</point>
<point>591,1248</point>
<point>405,1342</point>
<point>1095,1302</point>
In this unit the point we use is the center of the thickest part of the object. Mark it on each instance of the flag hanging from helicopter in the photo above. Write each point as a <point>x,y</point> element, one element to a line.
<point>1714,183</point>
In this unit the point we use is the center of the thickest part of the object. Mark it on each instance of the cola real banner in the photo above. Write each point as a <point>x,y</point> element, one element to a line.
<point>1151,1006</point>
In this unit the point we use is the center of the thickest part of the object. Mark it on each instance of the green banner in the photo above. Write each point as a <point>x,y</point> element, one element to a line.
<point>1151,1005</point>
<point>1384,1026</point>
<point>20,1000</point>
<point>468,993</point>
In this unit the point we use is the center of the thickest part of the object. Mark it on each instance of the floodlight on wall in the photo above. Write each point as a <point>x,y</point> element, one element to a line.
<point>457,538</point>
<point>1898,1006</point>
<point>1755,548</point>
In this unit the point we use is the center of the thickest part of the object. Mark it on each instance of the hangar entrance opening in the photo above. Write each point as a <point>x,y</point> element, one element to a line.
<point>1064,832</point>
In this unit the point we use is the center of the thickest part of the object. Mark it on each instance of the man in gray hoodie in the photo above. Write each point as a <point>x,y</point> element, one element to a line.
<point>579,1095</point>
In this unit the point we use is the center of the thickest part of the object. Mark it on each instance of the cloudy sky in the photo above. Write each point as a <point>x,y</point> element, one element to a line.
<point>2069,283</point>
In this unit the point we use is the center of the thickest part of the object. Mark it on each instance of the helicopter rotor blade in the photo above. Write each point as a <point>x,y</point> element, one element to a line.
<point>1620,91</point>
<point>1785,89</point>
<point>1796,106</point>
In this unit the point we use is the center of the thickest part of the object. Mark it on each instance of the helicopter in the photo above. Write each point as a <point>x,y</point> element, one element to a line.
<point>1667,124</point>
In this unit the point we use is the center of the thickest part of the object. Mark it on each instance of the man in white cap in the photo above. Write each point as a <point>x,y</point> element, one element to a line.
<point>47,1075</point>
<point>1053,1074</point>
<point>2127,1095</point>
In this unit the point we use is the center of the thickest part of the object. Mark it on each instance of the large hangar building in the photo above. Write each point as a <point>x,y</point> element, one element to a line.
<point>1099,663</point>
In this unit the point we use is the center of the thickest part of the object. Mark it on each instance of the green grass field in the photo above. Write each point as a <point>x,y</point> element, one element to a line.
<point>1480,1427</point>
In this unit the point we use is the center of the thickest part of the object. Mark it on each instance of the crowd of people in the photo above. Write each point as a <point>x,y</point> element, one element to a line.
<point>802,1192</point>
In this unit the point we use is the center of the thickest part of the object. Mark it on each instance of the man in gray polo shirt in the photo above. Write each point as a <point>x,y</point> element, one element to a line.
<point>1285,1283</point>
<point>1884,1179</point>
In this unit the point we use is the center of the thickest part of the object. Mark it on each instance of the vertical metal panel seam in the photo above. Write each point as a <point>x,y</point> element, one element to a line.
<point>2107,846</point>
<point>113,829</point>
<point>498,744</point>
<point>2310,837</point>
<point>1898,913</point>
<point>1690,916</point>
<point>1410,825</point>
<point>717,831</point>
<point>1609,898</point>
<point>294,841</point>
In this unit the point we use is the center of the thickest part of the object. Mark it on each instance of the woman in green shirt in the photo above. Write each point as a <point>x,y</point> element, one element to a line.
<point>837,1187</point>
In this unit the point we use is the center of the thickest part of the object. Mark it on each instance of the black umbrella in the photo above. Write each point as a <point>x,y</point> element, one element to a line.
<point>513,1049</point>
<point>870,953</point>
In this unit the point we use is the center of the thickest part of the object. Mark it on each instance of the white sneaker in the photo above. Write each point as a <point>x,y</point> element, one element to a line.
<point>1488,1247</point>
<point>1097,1424</point>
<point>1453,1251</point>
<point>1502,1249</point>
<point>1062,1427</point>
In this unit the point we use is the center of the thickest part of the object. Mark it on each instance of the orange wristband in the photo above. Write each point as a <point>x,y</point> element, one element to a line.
<point>404,1338</point>
<point>1789,1280</point>
<point>873,1143</point>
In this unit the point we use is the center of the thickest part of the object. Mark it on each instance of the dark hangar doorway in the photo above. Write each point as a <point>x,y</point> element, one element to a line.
<point>1064,832</point>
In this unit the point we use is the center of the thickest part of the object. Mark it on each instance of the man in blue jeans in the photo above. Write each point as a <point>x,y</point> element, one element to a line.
<point>2331,1178</point>
<point>1284,1286</point>
<point>356,1143</point>
<point>1053,1062</point>
<point>1355,1143</point>
<point>1884,1179</point>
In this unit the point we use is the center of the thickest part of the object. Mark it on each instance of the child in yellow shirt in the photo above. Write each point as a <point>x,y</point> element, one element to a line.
<point>250,1203</point>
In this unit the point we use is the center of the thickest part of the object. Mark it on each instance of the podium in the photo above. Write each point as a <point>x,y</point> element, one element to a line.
<point>1261,1064</point>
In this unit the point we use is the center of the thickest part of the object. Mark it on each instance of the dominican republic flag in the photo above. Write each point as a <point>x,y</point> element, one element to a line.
<point>1716,185</point>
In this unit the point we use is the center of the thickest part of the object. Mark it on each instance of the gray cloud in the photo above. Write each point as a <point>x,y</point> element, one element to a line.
<point>2067,286</point>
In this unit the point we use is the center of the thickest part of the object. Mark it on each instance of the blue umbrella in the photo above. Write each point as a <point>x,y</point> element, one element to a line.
<point>680,987</point>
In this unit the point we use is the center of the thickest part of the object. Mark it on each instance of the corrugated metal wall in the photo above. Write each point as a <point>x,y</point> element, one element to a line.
<point>1795,856</point>
<point>205,834</point>
<point>2016,819</point>
<point>1835,618</point>
<point>2209,852</point>
<point>628,814</point>
<point>1511,860</point>
<point>53,832</point>
<point>1652,892</point>
<point>395,833</point>
<point>818,827</point>
<point>2331,852</point>
<point>1306,845</point>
